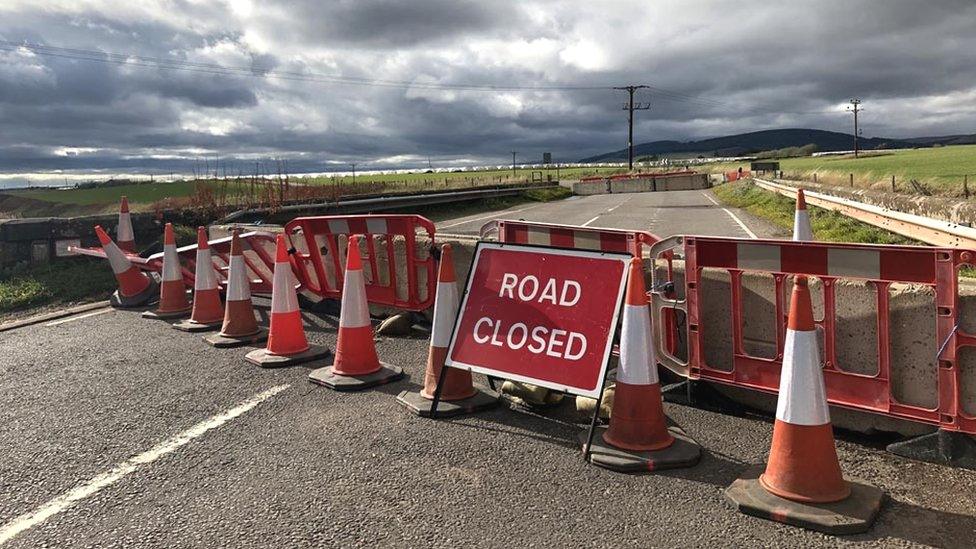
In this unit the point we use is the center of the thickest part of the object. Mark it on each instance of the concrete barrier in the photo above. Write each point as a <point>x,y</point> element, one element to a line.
<point>650,183</point>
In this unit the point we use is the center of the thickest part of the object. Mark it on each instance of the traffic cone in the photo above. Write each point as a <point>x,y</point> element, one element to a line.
<point>287,344</point>
<point>638,438</point>
<point>356,365</point>
<point>240,327</point>
<point>123,232</point>
<point>208,312</point>
<point>458,395</point>
<point>802,482</point>
<point>172,292</point>
<point>801,220</point>
<point>135,287</point>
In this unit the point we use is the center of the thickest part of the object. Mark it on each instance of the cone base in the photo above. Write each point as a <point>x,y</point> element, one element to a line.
<point>264,359</point>
<point>120,301</point>
<point>193,326</point>
<point>226,342</point>
<point>420,405</point>
<point>684,452</point>
<point>337,382</point>
<point>853,515</point>
<point>168,315</point>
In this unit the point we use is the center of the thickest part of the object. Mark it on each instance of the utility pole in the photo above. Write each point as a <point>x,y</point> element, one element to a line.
<point>630,107</point>
<point>855,108</point>
<point>353,173</point>
<point>513,162</point>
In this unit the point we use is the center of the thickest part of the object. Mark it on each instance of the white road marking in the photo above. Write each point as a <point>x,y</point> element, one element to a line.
<point>590,221</point>
<point>79,317</point>
<point>733,216</point>
<point>96,484</point>
<point>492,216</point>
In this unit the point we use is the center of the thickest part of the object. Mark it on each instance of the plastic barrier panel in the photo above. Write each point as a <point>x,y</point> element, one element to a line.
<point>570,236</point>
<point>258,256</point>
<point>399,272</point>
<point>847,384</point>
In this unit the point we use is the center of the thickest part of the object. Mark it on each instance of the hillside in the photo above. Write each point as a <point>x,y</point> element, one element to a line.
<point>753,142</point>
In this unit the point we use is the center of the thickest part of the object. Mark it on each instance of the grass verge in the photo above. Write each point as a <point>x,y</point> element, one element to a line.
<point>26,287</point>
<point>827,226</point>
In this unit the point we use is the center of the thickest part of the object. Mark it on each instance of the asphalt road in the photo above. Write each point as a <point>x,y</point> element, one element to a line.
<point>122,432</point>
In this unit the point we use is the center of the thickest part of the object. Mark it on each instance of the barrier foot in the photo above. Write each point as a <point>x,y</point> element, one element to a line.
<point>156,315</point>
<point>226,342</point>
<point>193,326</point>
<point>141,299</point>
<point>337,382</point>
<point>684,452</point>
<point>700,395</point>
<point>852,515</point>
<point>942,447</point>
<point>264,359</point>
<point>321,306</point>
<point>416,403</point>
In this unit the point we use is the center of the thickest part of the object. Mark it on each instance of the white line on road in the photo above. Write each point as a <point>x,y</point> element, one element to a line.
<point>492,216</point>
<point>96,484</point>
<point>733,216</point>
<point>79,317</point>
<point>590,221</point>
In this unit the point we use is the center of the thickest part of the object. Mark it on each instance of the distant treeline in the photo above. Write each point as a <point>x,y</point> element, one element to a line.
<point>790,152</point>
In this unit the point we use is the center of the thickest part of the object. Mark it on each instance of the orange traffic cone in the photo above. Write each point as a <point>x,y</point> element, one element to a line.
<point>240,326</point>
<point>135,287</point>
<point>458,395</point>
<point>208,312</point>
<point>124,232</point>
<point>638,438</point>
<point>802,482</point>
<point>172,293</point>
<point>801,220</point>
<point>287,344</point>
<point>356,365</point>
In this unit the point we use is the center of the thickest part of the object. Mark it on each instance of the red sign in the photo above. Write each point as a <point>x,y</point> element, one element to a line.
<point>545,316</point>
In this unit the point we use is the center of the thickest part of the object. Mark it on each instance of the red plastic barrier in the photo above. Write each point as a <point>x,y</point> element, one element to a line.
<point>258,256</point>
<point>881,266</point>
<point>320,249</point>
<point>571,236</point>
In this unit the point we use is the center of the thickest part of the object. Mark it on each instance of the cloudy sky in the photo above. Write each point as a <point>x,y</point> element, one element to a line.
<point>148,84</point>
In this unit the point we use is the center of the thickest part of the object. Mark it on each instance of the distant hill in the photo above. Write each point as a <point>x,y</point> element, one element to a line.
<point>747,143</point>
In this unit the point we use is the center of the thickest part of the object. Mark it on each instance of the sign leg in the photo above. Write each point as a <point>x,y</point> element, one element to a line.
<point>437,391</point>
<point>596,416</point>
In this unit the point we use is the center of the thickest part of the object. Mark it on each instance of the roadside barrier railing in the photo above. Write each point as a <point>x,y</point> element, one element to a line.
<point>258,256</point>
<point>877,265</point>
<point>399,270</point>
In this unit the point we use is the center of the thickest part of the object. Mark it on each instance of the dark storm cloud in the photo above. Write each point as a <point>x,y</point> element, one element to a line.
<point>719,71</point>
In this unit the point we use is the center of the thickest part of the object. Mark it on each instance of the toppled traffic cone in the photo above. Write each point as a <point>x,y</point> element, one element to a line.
<point>124,233</point>
<point>356,365</point>
<point>136,288</point>
<point>172,291</point>
<point>458,395</point>
<point>287,344</point>
<point>638,438</point>
<point>240,326</point>
<point>802,483</point>
<point>208,312</point>
<point>801,219</point>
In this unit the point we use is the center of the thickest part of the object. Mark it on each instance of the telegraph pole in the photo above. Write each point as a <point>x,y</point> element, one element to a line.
<point>513,162</point>
<point>855,108</point>
<point>353,173</point>
<point>630,107</point>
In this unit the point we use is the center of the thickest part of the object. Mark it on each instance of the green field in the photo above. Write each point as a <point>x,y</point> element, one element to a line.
<point>941,169</point>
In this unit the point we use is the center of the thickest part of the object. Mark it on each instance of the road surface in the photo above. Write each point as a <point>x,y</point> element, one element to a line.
<point>119,431</point>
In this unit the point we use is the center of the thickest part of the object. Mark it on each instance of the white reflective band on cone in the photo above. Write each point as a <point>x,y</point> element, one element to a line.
<point>116,258</point>
<point>445,313</point>
<point>171,264</point>
<point>238,287</point>
<point>636,360</point>
<point>802,396</point>
<point>283,297</point>
<point>355,311</point>
<point>205,279</point>
<point>124,231</point>
<point>801,226</point>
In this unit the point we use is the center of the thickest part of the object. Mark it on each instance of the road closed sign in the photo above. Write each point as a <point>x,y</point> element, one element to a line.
<point>540,315</point>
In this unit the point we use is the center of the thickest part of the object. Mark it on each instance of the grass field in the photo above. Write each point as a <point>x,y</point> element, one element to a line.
<point>941,169</point>
<point>827,226</point>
